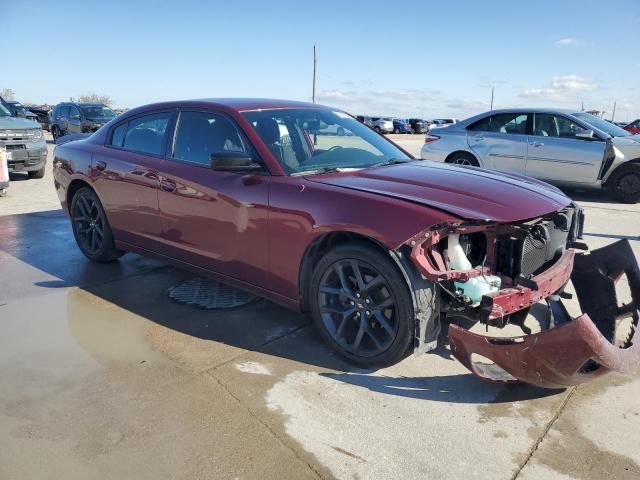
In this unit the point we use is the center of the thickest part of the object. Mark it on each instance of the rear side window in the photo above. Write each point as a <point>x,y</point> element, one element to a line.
<point>147,134</point>
<point>514,123</point>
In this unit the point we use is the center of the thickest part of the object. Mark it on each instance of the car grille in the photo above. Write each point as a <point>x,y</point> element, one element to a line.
<point>13,135</point>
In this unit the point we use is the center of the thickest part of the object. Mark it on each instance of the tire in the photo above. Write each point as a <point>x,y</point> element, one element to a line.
<point>624,183</point>
<point>91,228</point>
<point>396,131</point>
<point>339,312</point>
<point>463,158</point>
<point>37,173</point>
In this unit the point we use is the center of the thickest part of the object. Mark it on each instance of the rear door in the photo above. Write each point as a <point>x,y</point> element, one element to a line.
<point>500,141</point>
<point>126,177</point>
<point>556,154</point>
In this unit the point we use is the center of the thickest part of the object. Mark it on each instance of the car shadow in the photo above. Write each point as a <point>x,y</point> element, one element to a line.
<point>591,195</point>
<point>459,388</point>
<point>139,285</point>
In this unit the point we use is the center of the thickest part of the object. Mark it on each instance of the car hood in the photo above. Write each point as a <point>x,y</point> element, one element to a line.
<point>10,123</point>
<point>630,146</point>
<point>467,192</point>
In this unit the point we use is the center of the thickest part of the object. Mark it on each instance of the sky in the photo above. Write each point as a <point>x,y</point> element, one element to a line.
<point>424,59</point>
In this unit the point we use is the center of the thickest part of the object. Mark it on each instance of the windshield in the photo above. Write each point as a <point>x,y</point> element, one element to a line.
<point>601,124</point>
<point>308,140</point>
<point>4,112</point>
<point>97,111</point>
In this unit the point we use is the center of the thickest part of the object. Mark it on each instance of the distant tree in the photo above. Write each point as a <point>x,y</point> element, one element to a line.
<point>95,98</point>
<point>7,94</point>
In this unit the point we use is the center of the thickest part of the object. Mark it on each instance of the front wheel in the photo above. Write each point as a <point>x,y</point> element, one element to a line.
<point>91,228</point>
<point>624,183</point>
<point>362,305</point>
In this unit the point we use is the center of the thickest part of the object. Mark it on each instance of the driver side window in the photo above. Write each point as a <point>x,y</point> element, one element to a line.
<point>547,125</point>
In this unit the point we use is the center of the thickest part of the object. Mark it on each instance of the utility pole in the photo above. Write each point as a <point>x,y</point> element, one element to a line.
<point>614,111</point>
<point>492,98</point>
<point>315,61</point>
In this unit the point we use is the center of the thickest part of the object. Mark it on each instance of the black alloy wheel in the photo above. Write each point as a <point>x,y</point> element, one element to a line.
<point>362,305</point>
<point>91,228</point>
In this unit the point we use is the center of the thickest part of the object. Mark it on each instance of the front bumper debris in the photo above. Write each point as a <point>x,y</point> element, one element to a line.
<point>572,351</point>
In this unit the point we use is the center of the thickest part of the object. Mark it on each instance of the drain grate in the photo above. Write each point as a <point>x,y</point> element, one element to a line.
<point>208,294</point>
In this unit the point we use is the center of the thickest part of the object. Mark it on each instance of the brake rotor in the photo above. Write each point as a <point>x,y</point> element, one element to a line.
<point>209,294</point>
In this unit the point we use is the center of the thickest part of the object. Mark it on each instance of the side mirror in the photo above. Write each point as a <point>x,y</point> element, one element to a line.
<point>586,135</point>
<point>229,161</point>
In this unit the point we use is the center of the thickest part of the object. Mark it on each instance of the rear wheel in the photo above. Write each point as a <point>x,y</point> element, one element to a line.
<point>91,228</point>
<point>362,305</point>
<point>624,183</point>
<point>462,158</point>
<point>37,173</point>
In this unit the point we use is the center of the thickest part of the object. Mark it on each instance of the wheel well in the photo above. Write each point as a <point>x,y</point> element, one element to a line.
<point>635,161</point>
<point>453,154</point>
<point>74,186</point>
<point>318,248</point>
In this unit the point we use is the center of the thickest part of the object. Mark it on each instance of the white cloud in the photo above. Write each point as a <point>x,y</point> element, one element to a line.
<point>570,42</point>
<point>562,88</point>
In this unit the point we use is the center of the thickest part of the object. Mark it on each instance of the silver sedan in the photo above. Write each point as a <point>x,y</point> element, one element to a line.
<point>559,146</point>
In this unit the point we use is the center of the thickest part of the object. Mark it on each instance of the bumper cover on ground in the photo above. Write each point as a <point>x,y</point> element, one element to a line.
<point>574,350</point>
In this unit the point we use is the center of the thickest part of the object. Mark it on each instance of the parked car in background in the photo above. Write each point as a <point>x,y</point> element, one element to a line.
<point>19,110</point>
<point>246,192</point>
<point>24,142</point>
<point>417,125</point>
<point>4,172</point>
<point>43,116</point>
<point>633,127</point>
<point>382,125</point>
<point>401,125</point>
<point>564,147</point>
<point>71,117</point>
<point>365,119</point>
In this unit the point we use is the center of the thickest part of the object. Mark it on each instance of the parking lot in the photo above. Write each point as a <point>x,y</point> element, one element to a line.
<point>117,380</point>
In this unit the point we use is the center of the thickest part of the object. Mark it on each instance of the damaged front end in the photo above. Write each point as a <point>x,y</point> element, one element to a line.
<point>491,275</point>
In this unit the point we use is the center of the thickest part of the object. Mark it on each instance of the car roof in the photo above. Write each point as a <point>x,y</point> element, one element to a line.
<point>239,104</point>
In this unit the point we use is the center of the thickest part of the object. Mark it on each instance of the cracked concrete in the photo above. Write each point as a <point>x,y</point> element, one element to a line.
<point>103,376</point>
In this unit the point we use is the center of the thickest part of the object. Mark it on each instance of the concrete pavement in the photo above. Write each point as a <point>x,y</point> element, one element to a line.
<point>103,376</point>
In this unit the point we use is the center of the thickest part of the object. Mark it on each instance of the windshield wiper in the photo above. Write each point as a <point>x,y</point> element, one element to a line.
<point>317,171</point>
<point>391,161</point>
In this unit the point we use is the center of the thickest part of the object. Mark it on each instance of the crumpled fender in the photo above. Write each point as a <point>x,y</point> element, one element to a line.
<point>575,350</point>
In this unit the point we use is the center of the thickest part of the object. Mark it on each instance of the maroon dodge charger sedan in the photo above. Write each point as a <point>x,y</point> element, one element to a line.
<point>304,205</point>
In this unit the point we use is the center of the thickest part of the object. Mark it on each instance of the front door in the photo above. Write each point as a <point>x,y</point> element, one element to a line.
<point>214,219</point>
<point>556,154</point>
<point>500,141</point>
<point>74,122</point>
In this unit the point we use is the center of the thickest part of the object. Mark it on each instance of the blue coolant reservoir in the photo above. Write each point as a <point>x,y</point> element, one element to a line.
<point>473,288</point>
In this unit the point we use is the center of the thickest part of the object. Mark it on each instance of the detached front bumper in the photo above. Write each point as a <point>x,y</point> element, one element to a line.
<point>572,351</point>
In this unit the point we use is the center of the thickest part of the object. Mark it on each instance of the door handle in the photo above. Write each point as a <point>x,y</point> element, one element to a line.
<point>167,185</point>
<point>100,165</point>
<point>536,144</point>
<point>478,139</point>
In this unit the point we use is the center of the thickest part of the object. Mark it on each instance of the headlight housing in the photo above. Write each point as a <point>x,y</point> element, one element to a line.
<point>36,134</point>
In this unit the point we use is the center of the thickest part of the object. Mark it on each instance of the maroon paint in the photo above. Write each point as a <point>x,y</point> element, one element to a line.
<point>551,359</point>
